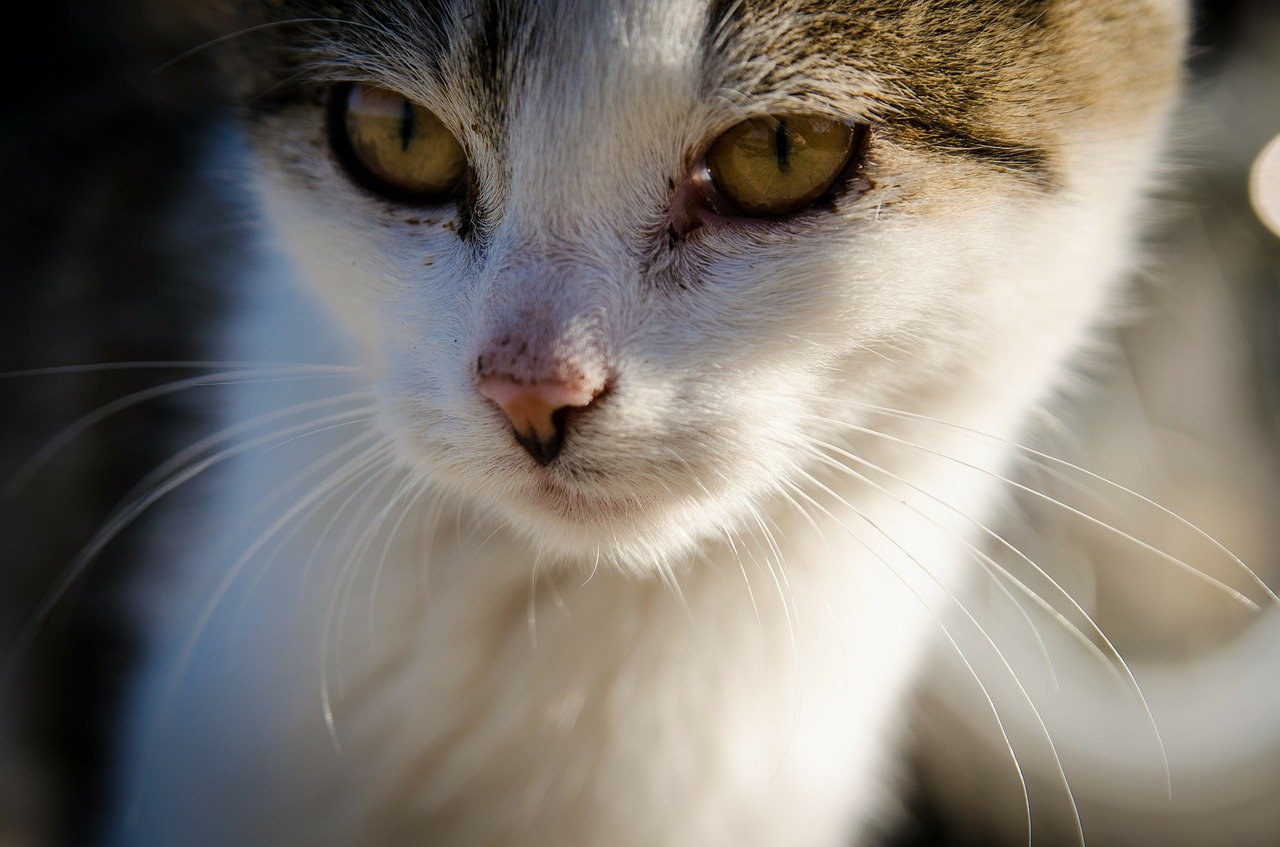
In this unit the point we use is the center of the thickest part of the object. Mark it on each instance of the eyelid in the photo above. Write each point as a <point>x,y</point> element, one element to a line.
<point>415,185</point>
<point>698,200</point>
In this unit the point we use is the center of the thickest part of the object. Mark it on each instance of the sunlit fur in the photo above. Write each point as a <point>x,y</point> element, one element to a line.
<point>689,629</point>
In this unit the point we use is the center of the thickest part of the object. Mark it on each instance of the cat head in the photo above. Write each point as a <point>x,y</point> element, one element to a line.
<point>615,262</point>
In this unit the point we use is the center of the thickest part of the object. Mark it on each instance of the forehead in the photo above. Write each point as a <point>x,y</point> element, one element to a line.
<point>489,40</point>
<point>940,47</point>
<point>1003,81</point>
<point>941,57</point>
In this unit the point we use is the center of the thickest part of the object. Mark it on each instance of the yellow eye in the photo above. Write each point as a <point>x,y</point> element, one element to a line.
<point>395,146</point>
<point>773,165</point>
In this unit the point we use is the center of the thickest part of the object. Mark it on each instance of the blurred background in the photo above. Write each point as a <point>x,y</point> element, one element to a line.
<point>116,230</point>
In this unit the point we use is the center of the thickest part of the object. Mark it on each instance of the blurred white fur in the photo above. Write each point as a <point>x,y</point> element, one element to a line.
<point>720,653</point>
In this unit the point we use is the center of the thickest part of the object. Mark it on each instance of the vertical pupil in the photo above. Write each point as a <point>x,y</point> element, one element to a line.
<point>406,125</point>
<point>782,146</point>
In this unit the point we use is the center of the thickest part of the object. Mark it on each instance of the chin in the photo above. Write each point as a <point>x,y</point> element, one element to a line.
<point>635,532</point>
<point>575,524</point>
<point>588,508</point>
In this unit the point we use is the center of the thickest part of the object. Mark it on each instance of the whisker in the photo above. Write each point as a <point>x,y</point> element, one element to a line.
<point>364,544</point>
<point>820,534</point>
<point>362,463</point>
<point>1054,460</point>
<point>1078,635</point>
<point>737,557</point>
<point>531,610</point>
<point>797,659</point>
<point>332,457</point>
<point>1101,524</point>
<point>669,580</point>
<point>790,612</point>
<point>594,568</point>
<point>341,593</point>
<point>746,580</point>
<point>414,482</point>
<point>1112,652</point>
<point>338,514</point>
<point>1026,695</point>
<point>428,528</point>
<point>70,432</point>
<point>121,519</point>
<point>320,430</point>
<point>61,370</point>
<point>249,30</point>
<point>995,711</point>
<point>188,453</point>
<point>985,561</point>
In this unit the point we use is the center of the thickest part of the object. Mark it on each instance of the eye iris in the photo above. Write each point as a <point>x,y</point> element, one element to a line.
<point>774,165</point>
<point>403,147</point>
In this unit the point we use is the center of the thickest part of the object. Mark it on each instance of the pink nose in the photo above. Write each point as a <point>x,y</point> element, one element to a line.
<point>538,411</point>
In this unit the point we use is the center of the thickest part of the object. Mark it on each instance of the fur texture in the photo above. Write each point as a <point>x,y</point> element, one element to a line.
<point>696,627</point>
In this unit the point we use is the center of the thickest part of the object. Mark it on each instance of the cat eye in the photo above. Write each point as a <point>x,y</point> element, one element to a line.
<point>394,146</point>
<point>774,165</point>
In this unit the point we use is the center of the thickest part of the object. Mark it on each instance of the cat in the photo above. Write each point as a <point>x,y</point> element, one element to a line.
<point>615,515</point>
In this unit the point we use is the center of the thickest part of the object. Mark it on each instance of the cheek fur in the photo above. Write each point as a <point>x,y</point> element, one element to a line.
<point>723,380</point>
<point>699,621</point>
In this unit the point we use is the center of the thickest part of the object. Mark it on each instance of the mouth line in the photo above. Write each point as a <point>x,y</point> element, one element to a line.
<point>571,502</point>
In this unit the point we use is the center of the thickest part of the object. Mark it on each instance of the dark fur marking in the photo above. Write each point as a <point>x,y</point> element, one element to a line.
<point>467,217</point>
<point>278,47</point>
<point>939,136</point>
<point>500,30</point>
<point>958,94</point>
<point>723,20</point>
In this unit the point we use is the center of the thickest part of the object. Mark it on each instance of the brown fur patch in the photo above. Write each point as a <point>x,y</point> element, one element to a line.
<point>1006,81</point>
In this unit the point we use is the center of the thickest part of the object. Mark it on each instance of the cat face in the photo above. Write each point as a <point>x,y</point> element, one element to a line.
<point>603,313</point>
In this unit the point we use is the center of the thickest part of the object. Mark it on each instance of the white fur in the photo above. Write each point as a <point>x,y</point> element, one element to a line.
<point>525,671</point>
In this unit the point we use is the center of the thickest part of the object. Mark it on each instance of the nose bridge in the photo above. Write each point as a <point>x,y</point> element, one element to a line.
<point>542,321</point>
<point>572,171</point>
<point>577,201</point>
<point>542,360</point>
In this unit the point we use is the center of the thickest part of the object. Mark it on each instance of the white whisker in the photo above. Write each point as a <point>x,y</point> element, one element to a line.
<point>1101,524</point>
<point>105,367</point>
<point>1013,675</point>
<point>1045,457</point>
<point>249,30</point>
<point>1017,764</point>
<point>333,457</point>
<point>69,433</point>
<point>120,520</point>
<point>413,485</point>
<point>1109,659</point>
<point>368,458</point>
<point>346,582</point>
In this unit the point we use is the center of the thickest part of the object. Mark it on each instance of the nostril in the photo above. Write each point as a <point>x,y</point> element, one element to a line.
<point>539,412</point>
<point>544,447</point>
